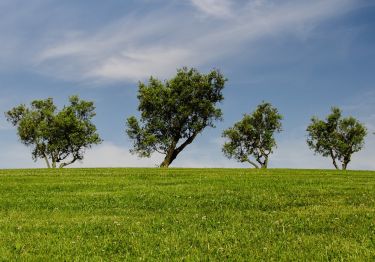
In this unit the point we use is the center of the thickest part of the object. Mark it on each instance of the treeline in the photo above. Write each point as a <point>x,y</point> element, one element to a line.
<point>173,113</point>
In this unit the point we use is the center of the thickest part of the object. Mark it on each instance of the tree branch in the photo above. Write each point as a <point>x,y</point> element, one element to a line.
<point>157,150</point>
<point>187,141</point>
<point>252,163</point>
<point>68,163</point>
<point>333,159</point>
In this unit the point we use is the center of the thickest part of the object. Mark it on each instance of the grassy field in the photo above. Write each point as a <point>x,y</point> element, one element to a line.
<point>187,214</point>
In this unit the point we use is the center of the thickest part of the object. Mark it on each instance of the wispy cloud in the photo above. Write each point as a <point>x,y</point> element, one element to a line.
<point>19,156</point>
<point>134,48</point>
<point>292,152</point>
<point>111,155</point>
<point>218,8</point>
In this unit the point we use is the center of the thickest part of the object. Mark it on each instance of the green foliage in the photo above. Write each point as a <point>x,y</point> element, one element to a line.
<point>56,136</point>
<point>253,136</point>
<point>174,112</point>
<point>336,137</point>
<point>187,215</point>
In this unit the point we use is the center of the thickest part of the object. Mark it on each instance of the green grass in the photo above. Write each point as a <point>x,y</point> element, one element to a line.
<point>187,214</point>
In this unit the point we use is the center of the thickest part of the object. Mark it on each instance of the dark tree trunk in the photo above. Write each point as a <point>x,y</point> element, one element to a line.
<point>334,160</point>
<point>173,151</point>
<point>345,163</point>
<point>265,163</point>
<point>171,155</point>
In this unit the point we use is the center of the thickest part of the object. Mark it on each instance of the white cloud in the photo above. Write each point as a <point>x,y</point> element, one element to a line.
<point>18,156</point>
<point>365,159</point>
<point>134,47</point>
<point>111,155</point>
<point>205,154</point>
<point>294,153</point>
<point>104,155</point>
<point>219,8</point>
<point>291,153</point>
<point>133,65</point>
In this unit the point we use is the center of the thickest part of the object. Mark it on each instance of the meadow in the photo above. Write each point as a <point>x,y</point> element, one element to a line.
<point>187,214</point>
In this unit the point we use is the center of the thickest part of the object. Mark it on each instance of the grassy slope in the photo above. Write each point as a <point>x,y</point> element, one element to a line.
<point>235,214</point>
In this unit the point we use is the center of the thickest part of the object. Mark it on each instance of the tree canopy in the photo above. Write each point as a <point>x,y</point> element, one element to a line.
<point>56,136</point>
<point>253,136</point>
<point>174,112</point>
<point>336,137</point>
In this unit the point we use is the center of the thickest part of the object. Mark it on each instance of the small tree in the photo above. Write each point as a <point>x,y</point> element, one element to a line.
<point>56,136</point>
<point>174,112</point>
<point>253,136</point>
<point>336,137</point>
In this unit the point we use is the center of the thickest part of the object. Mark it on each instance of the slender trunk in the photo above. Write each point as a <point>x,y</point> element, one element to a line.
<point>47,162</point>
<point>53,164</point>
<point>334,160</point>
<point>336,166</point>
<point>252,163</point>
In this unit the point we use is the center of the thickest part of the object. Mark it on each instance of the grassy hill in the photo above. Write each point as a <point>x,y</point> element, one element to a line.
<point>191,214</point>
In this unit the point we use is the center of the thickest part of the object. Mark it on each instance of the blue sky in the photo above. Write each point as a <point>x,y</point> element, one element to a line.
<point>303,56</point>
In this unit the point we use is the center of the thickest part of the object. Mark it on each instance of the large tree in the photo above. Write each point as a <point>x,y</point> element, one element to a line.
<point>336,137</point>
<point>56,136</point>
<point>253,136</point>
<point>174,112</point>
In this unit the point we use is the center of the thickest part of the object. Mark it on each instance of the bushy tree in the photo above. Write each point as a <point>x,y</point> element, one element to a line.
<point>336,137</point>
<point>56,136</point>
<point>253,136</point>
<point>174,112</point>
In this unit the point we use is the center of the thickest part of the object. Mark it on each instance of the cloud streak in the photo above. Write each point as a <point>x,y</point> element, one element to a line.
<point>111,155</point>
<point>218,8</point>
<point>132,48</point>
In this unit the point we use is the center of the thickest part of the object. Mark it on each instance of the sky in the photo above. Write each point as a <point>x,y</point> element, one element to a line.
<point>302,56</point>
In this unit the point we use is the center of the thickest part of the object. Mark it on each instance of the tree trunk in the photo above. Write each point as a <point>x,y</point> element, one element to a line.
<point>47,162</point>
<point>265,163</point>
<point>334,160</point>
<point>62,165</point>
<point>171,155</point>
<point>252,163</point>
<point>173,151</point>
<point>345,164</point>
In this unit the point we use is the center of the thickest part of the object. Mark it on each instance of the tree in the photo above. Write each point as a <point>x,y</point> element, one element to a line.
<point>174,112</point>
<point>253,136</point>
<point>336,137</point>
<point>56,136</point>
